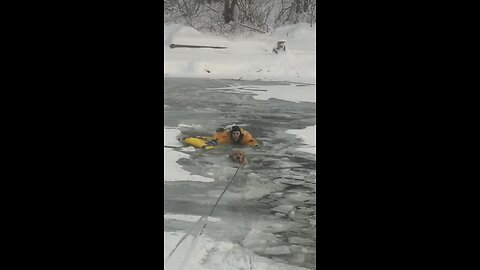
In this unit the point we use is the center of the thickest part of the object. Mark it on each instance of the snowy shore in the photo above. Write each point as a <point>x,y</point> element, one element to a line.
<point>247,58</point>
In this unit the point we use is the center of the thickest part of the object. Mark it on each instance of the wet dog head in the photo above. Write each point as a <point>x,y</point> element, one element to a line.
<point>238,156</point>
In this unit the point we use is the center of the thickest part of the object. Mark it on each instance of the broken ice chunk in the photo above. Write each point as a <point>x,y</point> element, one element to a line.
<point>293,182</point>
<point>280,250</point>
<point>256,238</point>
<point>300,249</point>
<point>296,258</point>
<point>300,241</point>
<point>283,208</point>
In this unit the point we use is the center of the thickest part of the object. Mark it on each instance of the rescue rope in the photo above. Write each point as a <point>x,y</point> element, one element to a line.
<point>202,218</point>
<point>213,209</point>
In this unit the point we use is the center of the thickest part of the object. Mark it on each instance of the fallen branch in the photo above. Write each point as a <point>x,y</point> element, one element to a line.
<point>195,46</point>
<point>211,8</point>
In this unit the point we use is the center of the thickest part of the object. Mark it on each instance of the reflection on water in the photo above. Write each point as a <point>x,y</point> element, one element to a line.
<point>270,207</point>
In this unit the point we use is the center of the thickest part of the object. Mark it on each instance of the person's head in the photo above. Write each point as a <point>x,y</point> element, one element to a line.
<point>236,133</point>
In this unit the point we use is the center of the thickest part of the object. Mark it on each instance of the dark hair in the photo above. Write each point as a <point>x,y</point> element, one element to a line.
<point>239,142</point>
<point>235,128</point>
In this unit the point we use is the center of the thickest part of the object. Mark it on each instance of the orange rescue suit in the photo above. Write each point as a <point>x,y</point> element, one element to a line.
<point>246,138</point>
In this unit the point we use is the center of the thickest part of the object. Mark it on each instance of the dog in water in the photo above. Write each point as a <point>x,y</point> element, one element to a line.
<point>239,156</point>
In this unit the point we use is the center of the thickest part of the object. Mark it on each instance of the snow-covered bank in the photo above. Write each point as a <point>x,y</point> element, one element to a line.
<point>204,253</point>
<point>308,136</point>
<point>248,58</point>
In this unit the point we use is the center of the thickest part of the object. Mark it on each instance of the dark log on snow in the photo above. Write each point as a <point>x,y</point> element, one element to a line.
<point>195,46</point>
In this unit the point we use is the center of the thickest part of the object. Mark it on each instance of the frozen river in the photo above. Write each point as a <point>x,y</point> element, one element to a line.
<point>270,208</point>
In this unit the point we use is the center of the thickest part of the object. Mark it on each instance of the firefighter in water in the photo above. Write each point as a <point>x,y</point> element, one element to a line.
<point>237,136</point>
